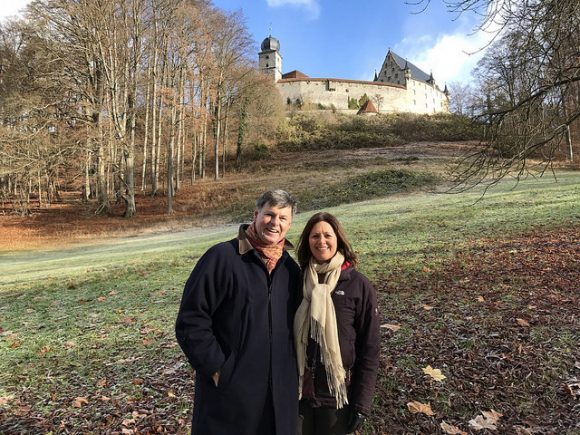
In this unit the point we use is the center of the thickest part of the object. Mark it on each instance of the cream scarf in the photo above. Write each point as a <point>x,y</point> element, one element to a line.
<point>316,318</point>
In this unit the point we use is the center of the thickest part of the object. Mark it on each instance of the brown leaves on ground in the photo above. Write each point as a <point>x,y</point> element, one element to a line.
<point>505,326</point>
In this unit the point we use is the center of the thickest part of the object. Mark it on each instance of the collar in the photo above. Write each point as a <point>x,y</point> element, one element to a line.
<point>245,246</point>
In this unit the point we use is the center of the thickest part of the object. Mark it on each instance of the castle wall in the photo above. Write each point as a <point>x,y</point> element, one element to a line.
<point>418,97</point>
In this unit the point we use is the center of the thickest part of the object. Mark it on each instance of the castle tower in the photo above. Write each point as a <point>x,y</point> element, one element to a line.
<point>269,59</point>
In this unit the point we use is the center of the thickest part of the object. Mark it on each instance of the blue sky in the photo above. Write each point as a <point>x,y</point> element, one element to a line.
<point>349,38</point>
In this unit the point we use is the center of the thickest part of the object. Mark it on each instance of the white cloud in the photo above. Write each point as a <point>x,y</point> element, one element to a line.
<point>311,6</point>
<point>12,7</point>
<point>451,56</point>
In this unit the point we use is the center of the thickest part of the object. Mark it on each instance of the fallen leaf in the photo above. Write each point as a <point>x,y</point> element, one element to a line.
<point>480,299</point>
<point>21,411</point>
<point>426,269</point>
<point>147,341</point>
<point>434,373</point>
<point>520,430</point>
<point>492,415</point>
<point>573,386</point>
<point>523,323</point>
<point>128,422</point>
<point>137,381</point>
<point>480,423</point>
<point>102,382</point>
<point>126,431</point>
<point>30,310</point>
<point>169,345</point>
<point>101,299</point>
<point>5,399</point>
<point>487,420</point>
<point>69,344</point>
<point>146,330</point>
<point>450,429</point>
<point>138,416</point>
<point>15,344</point>
<point>105,399</point>
<point>427,307</point>
<point>420,408</point>
<point>392,327</point>
<point>44,350</point>
<point>112,293</point>
<point>170,393</point>
<point>128,320</point>
<point>80,401</point>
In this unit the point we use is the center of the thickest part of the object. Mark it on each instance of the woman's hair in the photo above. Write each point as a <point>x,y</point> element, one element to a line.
<point>343,245</point>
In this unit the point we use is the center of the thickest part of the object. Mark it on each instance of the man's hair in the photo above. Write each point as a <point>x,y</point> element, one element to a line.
<point>276,198</point>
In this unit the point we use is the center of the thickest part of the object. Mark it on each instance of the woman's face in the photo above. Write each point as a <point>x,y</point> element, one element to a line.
<point>322,241</point>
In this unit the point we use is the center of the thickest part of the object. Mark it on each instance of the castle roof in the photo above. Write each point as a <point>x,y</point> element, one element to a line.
<point>270,44</point>
<point>294,75</point>
<point>367,107</point>
<point>416,72</point>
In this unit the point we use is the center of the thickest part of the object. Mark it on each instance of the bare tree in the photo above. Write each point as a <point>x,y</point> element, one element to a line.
<point>528,85</point>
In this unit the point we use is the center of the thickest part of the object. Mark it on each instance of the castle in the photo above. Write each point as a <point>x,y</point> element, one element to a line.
<point>400,86</point>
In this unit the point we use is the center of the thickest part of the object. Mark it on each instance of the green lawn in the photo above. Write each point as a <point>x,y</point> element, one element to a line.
<point>86,337</point>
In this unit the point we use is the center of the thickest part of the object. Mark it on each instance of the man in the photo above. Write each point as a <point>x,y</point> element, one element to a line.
<point>235,327</point>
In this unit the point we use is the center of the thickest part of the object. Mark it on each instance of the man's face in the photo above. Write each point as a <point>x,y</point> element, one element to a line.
<point>272,223</point>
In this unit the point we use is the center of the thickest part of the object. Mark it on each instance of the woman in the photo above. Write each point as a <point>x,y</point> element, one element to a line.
<point>336,329</point>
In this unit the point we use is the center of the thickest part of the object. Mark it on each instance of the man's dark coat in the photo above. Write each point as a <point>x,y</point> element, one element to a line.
<point>237,320</point>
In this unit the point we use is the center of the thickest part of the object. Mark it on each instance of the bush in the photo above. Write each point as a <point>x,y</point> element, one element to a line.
<point>327,130</point>
<point>260,151</point>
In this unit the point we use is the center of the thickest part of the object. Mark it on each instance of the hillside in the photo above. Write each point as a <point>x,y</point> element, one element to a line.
<point>319,178</point>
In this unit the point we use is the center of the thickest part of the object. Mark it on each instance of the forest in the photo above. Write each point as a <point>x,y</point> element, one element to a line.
<point>116,96</point>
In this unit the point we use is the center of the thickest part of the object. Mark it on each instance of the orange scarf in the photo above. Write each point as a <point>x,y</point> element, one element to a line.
<point>270,254</point>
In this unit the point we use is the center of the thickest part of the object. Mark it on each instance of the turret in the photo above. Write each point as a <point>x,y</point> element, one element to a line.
<point>269,59</point>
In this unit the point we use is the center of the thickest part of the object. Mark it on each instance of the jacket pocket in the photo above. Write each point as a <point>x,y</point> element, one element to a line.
<point>227,371</point>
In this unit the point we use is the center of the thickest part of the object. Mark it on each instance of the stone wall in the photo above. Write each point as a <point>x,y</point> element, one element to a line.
<point>418,97</point>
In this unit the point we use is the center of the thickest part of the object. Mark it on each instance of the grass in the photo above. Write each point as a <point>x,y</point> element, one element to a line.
<point>101,326</point>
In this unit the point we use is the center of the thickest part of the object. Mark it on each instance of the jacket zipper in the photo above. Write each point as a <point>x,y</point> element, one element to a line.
<point>270,329</point>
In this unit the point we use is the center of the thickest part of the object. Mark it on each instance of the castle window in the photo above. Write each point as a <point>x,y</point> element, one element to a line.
<point>389,78</point>
<point>396,75</point>
<point>267,56</point>
<point>267,65</point>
